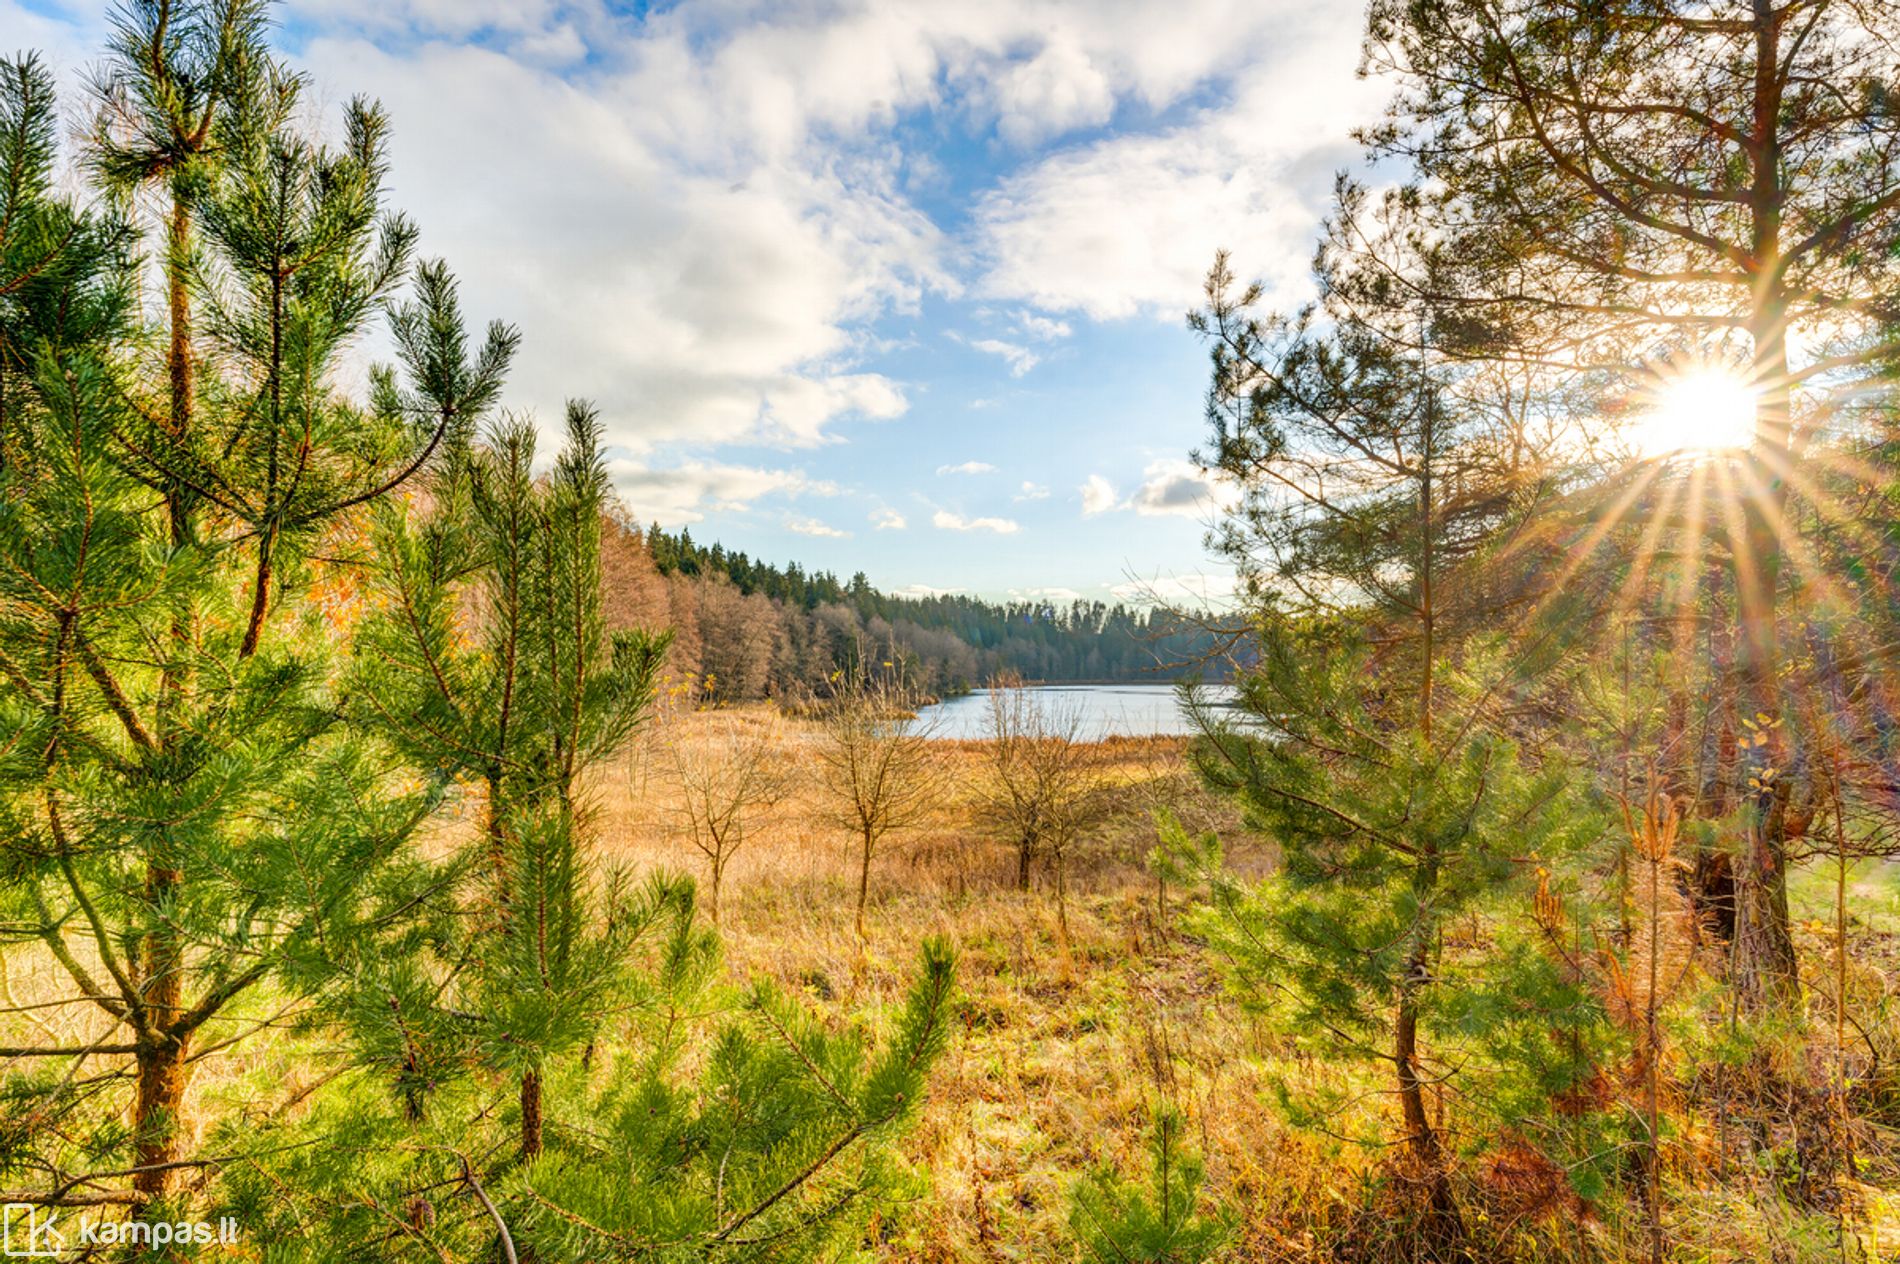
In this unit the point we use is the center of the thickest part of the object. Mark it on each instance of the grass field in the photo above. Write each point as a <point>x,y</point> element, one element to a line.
<point>1064,1051</point>
<point>1065,1043</point>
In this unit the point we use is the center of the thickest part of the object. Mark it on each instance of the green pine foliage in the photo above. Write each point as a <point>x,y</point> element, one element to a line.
<point>1394,847</point>
<point>257,636</point>
<point>488,664</point>
<point>1115,1220</point>
<point>777,1144</point>
<point>190,826</point>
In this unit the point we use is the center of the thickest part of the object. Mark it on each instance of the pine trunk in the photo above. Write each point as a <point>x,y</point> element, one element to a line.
<point>160,1063</point>
<point>1767,974</point>
<point>530,1115</point>
<point>156,1115</point>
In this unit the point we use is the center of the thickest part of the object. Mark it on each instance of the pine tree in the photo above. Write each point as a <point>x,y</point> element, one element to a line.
<point>1117,1221</point>
<point>524,706</point>
<point>1375,476</point>
<point>777,1145</point>
<point>188,818</point>
<point>1616,187</point>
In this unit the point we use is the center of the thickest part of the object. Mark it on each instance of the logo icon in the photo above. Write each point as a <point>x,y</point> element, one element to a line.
<point>30,1232</point>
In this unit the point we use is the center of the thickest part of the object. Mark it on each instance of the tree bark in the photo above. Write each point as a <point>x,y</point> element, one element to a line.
<point>1444,1228</point>
<point>864,884</point>
<point>1420,1137</point>
<point>530,1115</point>
<point>158,1112</point>
<point>1766,967</point>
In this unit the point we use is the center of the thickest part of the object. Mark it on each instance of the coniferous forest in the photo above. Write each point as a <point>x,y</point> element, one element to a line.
<point>746,629</point>
<point>405,856</point>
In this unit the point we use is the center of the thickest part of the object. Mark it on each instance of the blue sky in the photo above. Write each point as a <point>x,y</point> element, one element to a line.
<point>891,285</point>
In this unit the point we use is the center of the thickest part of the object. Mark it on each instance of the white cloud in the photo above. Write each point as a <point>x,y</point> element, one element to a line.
<point>1128,224</point>
<point>924,591</point>
<point>887,520</point>
<point>813,527</point>
<point>1032,491</point>
<point>683,493</point>
<point>1057,90</point>
<point>1043,327</point>
<point>695,290</point>
<point>1020,359</point>
<point>696,216</point>
<point>1168,487</point>
<point>968,467</point>
<point>1098,496</point>
<point>943,520</point>
<point>1046,594</point>
<point>1180,488</point>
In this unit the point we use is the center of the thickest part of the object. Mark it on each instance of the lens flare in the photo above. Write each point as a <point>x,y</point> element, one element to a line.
<point>1708,410</point>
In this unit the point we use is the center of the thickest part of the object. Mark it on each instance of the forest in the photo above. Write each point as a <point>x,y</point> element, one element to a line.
<point>755,630</point>
<point>404,856</point>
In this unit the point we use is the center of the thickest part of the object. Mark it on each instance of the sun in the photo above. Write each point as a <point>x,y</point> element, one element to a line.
<point>1705,410</point>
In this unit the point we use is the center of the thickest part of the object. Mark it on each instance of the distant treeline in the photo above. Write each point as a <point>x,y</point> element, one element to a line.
<point>749,629</point>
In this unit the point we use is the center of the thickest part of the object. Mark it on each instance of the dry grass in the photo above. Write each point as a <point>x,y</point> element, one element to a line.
<point>1059,1059</point>
<point>1061,1055</point>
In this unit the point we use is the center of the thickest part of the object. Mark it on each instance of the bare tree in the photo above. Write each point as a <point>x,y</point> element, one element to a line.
<point>875,763</point>
<point>1043,790</point>
<point>724,784</point>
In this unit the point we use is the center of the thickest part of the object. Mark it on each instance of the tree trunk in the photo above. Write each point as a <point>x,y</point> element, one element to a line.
<point>1444,1228</point>
<point>530,1115</point>
<point>159,1106</point>
<point>1420,1138</point>
<point>178,300</point>
<point>158,1112</point>
<point>1766,968</point>
<point>1767,972</point>
<point>1025,854</point>
<point>864,884</point>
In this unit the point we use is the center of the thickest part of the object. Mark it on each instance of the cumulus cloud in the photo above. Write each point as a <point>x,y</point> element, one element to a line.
<point>924,591</point>
<point>697,216</point>
<point>1128,224</point>
<point>696,290</point>
<point>1180,488</point>
<point>1058,594</point>
<point>944,520</point>
<point>887,520</point>
<point>683,493</point>
<point>968,467</point>
<point>1032,491</point>
<point>1098,496</point>
<point>813,527</point>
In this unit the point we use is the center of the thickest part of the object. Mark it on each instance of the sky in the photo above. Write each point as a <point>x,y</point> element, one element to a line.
<point>896,286</point>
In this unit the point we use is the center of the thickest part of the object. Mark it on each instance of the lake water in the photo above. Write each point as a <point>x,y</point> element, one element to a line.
<point>1105,710</point>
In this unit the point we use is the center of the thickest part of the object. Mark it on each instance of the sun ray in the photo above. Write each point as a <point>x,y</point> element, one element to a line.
<point>1706,408</point>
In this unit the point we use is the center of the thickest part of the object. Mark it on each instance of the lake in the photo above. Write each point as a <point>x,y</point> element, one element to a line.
<point>1105,710</point>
